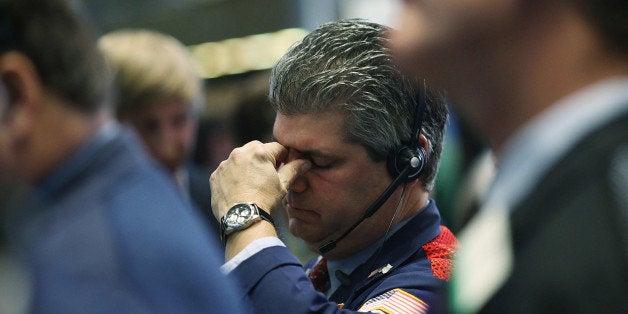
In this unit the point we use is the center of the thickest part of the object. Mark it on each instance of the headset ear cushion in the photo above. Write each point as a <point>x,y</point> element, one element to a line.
<point>403,157</point>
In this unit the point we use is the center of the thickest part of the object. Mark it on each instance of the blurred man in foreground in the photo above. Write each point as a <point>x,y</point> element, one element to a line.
<point>546,82</point>
<point>102,228</point>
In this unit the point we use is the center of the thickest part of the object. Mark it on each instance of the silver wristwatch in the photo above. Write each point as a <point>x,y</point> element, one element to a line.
<point>241,216</point>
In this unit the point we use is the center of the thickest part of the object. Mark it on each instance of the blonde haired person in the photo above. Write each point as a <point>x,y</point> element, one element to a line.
<point>160,95</point>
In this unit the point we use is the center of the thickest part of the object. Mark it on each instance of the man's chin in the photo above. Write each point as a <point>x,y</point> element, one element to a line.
<point>299,232</point>
<point>313,244</point>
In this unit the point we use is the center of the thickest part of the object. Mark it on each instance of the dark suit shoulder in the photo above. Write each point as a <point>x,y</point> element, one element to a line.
<point>569,235</point>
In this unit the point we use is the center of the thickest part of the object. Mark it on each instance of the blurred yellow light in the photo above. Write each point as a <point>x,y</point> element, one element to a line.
<point>239,55</point>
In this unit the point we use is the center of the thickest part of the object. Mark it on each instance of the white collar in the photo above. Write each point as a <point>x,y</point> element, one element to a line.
<point>538,145</point>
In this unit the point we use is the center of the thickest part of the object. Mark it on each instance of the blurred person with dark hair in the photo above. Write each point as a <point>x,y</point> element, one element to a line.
<point>101,229</point>
<point>546,83</point>
<point>356,152</point>
<point>253,116</point>
<point>161,94</point>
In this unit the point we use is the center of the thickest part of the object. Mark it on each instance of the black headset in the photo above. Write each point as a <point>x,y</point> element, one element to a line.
<point>410,155</point>
<point>404,164</point>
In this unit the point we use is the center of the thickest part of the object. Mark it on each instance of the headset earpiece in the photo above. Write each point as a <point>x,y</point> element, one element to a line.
<point>411,156</point>
<point>403,157</point>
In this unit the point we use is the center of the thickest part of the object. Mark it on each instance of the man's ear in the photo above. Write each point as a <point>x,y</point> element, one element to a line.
<point>23,92</point>
<point>423,142</point>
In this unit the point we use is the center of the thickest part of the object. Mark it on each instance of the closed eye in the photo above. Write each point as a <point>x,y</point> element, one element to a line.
<point>319,162</point>
<point>320,166</point>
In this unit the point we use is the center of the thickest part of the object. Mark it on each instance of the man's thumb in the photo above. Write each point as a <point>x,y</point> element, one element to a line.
<point>290,171</point>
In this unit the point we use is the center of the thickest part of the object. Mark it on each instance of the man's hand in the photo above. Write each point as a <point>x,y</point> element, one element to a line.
<point>257,173</point>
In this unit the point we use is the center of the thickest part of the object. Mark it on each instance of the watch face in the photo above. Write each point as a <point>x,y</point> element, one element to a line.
<point>240,216</point>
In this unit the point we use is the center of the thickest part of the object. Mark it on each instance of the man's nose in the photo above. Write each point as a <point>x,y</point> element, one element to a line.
<point>299,185</point>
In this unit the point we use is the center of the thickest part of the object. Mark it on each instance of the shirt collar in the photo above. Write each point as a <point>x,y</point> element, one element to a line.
<point>78,160</point>
<point>538,145</point>
<point>347,265</point>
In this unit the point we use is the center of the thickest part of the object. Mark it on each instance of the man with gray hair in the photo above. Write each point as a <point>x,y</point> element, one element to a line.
<point>356,153</point>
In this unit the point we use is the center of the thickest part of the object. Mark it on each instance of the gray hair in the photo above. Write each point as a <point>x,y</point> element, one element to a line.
<point>345,66</point>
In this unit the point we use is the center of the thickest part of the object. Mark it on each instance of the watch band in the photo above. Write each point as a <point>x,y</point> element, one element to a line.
<point>265,215</point>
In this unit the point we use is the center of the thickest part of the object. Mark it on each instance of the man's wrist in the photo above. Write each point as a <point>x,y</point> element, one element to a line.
<point>251,249</point>
<point>238,241</point>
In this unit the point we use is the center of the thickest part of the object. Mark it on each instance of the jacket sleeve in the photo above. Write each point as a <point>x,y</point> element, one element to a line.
<point>273,281</point>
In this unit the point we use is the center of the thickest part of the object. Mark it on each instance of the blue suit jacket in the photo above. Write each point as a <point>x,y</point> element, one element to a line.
<point>108,232</point>
<point>275,282</point>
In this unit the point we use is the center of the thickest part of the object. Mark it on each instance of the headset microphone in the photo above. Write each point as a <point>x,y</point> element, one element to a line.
<point>404,163</point>
<point>370,211</point>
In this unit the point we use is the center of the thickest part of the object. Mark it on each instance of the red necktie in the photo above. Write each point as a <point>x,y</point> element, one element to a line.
<point>320,277</point>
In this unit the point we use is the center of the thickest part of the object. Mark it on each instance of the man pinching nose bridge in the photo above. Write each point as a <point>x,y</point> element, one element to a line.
<point>355,155</point>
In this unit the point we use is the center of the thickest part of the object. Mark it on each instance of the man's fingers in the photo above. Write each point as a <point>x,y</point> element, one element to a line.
<point>276,152</point>
<point>290,171</point>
